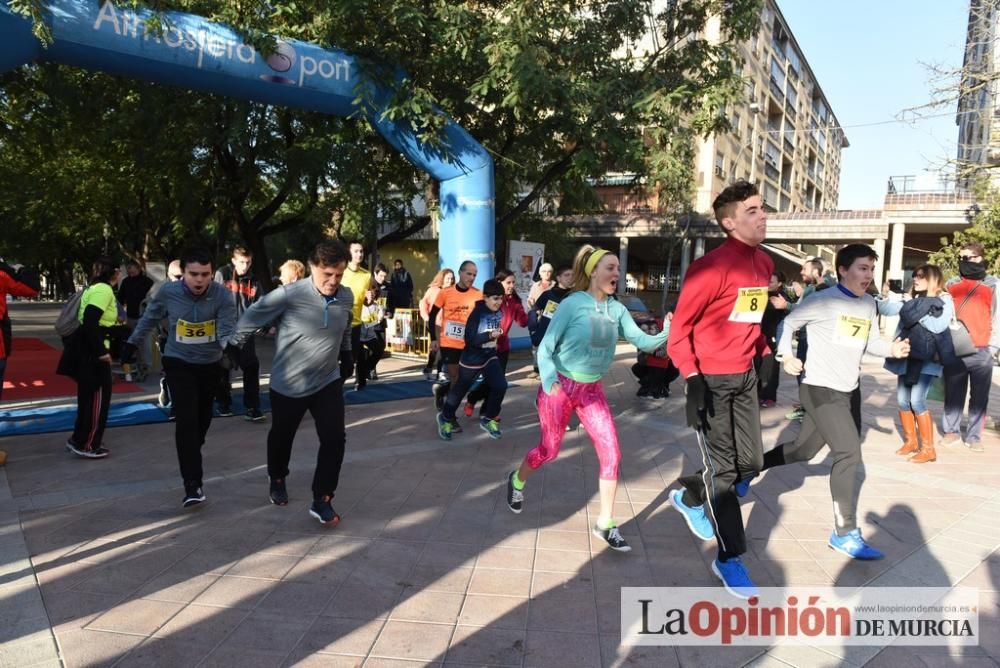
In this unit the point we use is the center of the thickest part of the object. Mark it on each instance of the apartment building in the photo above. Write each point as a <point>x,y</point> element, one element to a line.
<point>785,135</point>
<point>978,113</point>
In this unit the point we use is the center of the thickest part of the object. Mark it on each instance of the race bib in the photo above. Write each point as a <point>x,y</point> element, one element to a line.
<point>852,331</point>
<point>454,330</point>
<point>550,309</point>
<point>195,332</point>
<point>749,306</point>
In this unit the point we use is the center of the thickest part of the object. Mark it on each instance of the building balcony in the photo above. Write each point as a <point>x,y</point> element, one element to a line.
<point>923,183</point>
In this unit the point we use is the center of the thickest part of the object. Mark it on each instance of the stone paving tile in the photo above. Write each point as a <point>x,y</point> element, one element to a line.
<point>94,648</point>
<point>420,553</point>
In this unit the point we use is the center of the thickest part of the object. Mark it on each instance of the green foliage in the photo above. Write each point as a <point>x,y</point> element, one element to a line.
<point>558,92</point>
<point>984,229</point>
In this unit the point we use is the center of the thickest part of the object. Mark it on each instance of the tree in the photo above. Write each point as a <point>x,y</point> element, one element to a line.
<point>557,91</point>
<point>984,228</point>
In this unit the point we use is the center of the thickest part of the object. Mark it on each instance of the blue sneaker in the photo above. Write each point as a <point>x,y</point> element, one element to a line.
<point>735,578</point>
<point>743,486</point>
<point>491,427</point>
<point>695,517</point>
<point>854,546</point>
<point>444,427</point>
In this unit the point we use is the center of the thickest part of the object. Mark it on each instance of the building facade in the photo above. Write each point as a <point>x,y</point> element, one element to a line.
<point>978,113</point>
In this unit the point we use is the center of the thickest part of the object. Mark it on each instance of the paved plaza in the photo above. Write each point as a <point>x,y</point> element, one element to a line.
<point>100,566</point>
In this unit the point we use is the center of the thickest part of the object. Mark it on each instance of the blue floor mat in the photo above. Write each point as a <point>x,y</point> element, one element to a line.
<point>47,420</point>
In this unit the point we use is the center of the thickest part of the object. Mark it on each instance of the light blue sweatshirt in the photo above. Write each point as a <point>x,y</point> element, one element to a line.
<point>580,341</point>
<point>312,332</point>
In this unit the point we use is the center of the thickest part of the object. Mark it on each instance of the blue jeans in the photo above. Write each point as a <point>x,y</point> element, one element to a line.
<point>914,397</point>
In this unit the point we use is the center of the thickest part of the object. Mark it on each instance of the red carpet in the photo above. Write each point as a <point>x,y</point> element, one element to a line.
<point>31,374</point>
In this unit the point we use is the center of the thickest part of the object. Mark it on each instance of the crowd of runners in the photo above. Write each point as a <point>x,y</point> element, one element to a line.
<point>732,327</point>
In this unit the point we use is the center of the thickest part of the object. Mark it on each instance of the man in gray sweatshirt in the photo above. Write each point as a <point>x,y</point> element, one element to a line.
<point>200,317</point>
<point>311,361</point>
<point>842,327</point>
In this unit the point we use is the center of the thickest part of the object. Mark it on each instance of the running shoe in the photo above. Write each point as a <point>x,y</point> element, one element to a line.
<point>975,445</point>
<point>854,546</point>
<point>735,578</point>
<point>456,428</point>
<point>225,410</point>
<point>768,403</point>
<point>469,409</point>
<point>163,399</point>
<point>278,493</point>
<point>613,537</point>
<point>515,497</point>
<point>442,378</point>
<point>950,440</point>
<point>193,495</point>
<point>743,486</point>
<point>491,427</point>
<point>100,452</point>
<point>373,375</point>
<point>444,428</point>
<point>695,517</point>
<point>796,414</point>
<point>429,375</point>
<point>254,415</point>
<point>322,510</point>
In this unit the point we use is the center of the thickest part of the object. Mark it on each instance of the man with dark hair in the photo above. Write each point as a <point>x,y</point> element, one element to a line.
<point>132,291</point>
<point>201,316</point>
<point>357,279</point>
<point>239,280</point>
<point>401,285</point>
<point>714,337</point>
<point>312,357</point>
<point>811,274</point>
<point>843,327</point>
<point>977,306</point>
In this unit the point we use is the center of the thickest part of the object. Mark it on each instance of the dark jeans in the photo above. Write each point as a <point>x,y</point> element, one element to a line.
<point>832,418</point>
<point>767,374</point>
<point>192,389</point>
<point>972,375</point>
<point>483,391</point>
<point>731,448</point>
<point>358,351</point>
<point>251,378</point>
<point>93,400</point>
<point>375,348</point>
<point>494,380</point>
<point>327,409</point>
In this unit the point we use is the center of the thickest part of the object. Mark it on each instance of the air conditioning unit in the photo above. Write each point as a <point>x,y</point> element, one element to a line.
<point>720,172</point>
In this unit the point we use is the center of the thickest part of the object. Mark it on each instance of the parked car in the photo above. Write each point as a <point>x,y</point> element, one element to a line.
<point>640,312</point>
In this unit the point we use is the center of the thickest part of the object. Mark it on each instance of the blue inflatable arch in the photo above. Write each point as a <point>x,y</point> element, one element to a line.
<point>197,54</point>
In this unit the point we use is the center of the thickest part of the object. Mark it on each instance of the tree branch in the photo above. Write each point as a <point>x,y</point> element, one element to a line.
<point>555,170</point>
<point>405,232</point>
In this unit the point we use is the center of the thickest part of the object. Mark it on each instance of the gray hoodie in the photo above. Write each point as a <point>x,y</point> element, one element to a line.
<point>197,327</point>
<point>311,334</point>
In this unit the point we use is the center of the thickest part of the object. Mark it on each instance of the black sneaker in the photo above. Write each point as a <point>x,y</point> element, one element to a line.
<point>254,415</point>
<point>613,537</point>
<point>515,497</point>
<point>193,495</point>
<point>278,493</point>
<point>455,427</point>
<point>100,452</point>
<point>323,510</point>
<point>225,410</point>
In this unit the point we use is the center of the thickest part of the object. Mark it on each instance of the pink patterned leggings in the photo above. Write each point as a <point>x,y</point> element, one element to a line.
<point>554,411</point>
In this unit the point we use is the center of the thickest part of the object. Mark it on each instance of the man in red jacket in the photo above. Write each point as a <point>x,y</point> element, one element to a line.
<point>714,337</point>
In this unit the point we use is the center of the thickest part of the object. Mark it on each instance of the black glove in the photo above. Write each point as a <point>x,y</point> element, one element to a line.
<point>127,353</point>
<point>346,364</point>
<point>696,392</point>
<point>230,357</point>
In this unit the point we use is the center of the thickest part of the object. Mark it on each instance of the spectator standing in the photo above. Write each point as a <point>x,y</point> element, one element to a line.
<point>238,278</point>
<point>401,285</point>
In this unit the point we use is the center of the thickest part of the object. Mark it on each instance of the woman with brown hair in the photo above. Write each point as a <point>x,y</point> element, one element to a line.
<point>924,320</point>
<point>443,279</point>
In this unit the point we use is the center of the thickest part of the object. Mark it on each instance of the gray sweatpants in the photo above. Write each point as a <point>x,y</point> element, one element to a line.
<point>832,418</point>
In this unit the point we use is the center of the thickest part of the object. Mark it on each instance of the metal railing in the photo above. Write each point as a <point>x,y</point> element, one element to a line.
<point>930,183</point>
